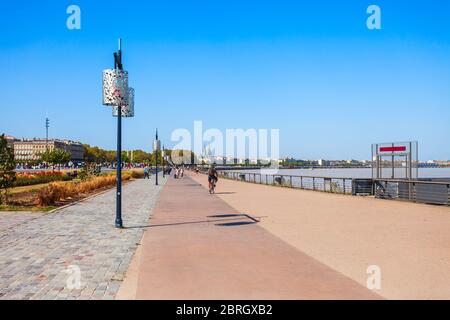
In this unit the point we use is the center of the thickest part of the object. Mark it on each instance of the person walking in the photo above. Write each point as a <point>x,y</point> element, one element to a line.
<point>181,172</point>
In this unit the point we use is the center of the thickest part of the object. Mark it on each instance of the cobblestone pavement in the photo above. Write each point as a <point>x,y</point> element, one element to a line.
<point>43,255</point>
<point>11,219</point>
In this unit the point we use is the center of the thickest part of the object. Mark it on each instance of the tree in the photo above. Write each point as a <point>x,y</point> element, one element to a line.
<point>7,166</point>
<point>95,154</point>
<point>140,156</point>
<point>98,155</point>
<point>125,158</point>
<point>56,156</point>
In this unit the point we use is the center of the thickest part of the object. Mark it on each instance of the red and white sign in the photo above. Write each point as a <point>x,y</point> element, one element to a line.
<point>393,149</point>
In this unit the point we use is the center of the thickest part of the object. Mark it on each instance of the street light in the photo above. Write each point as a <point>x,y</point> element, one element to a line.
<point>156,149</point>
<point>47,125</point>
<point>117,94</point>
<point>163,155</point>
<point>128,108</point>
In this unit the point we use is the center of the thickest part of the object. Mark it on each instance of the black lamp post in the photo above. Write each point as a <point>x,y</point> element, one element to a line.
<point>156,148</point>
<point>163,154</point>
<point>117,94</point>
<point>47,125</point>
<point>119,222</point>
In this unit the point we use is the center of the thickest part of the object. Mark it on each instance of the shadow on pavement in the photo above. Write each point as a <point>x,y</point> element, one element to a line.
<point>227,215</point>
<point>235,224</point>
<point>237,217</point>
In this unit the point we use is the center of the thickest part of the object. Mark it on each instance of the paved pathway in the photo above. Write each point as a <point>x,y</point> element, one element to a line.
<point>37,251</point>
<point>199,247</point>
<point>9,220</point>
<point>410,243</point>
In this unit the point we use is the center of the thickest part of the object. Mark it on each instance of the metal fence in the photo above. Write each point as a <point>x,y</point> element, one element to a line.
<point>431,192</point>
<point>419,191</point>
<point>325,184</point>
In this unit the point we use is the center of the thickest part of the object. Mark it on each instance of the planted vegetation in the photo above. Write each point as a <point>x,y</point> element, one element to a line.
<point>30,179</point>
<point>60,191</point>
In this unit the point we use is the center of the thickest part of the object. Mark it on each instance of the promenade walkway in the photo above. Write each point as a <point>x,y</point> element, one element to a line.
<point>199,247</point>
<point>410,243</point>
<point>38,250</point>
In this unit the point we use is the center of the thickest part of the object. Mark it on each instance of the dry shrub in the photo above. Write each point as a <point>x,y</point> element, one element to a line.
<point>137,174</point>
<point>54,192</point>
<point>58,191</point>
<point>29,179</point>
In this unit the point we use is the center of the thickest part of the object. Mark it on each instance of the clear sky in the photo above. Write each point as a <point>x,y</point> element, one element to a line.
<point>309,68</point>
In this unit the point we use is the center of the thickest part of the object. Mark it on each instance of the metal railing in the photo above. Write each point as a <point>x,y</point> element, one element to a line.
<point>419,191</point>
<point>324,184</point>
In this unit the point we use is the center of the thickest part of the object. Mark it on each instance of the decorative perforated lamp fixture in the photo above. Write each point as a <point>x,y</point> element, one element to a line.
<point>128,108</point>
<point>115,87</point>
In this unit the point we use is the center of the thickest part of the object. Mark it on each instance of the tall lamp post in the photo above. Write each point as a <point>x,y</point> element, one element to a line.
<point>156,149</point>
<point>47,125</point>
<point>163,155</point>
<point>117,94</point>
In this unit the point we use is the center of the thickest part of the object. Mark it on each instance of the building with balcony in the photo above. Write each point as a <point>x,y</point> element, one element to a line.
<point>31,150</point>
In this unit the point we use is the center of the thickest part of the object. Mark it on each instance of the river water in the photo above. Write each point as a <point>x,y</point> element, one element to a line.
<point>360,173</point>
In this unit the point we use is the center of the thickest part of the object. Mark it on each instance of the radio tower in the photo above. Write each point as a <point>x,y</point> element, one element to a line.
<point>47,125</point>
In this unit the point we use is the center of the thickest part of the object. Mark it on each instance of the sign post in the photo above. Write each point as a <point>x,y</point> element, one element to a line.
<point>395,156</point>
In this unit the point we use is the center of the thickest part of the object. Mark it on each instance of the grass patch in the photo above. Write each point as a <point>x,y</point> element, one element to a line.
<point>30,179</point>
<point>33,188</point>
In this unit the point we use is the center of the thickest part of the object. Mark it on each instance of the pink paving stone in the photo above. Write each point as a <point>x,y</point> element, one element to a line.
<point>189,254</point>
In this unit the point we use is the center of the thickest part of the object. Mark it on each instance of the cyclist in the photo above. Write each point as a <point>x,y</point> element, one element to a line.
<point>213,177</point>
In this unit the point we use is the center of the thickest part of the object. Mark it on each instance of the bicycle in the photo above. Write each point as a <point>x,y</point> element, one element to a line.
<point>212,186</point>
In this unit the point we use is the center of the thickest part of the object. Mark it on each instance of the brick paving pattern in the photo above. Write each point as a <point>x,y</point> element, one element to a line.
<point>40,253</point>
<point>9,220</point>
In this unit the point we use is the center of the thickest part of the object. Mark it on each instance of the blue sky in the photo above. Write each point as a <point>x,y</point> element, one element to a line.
<point>309,68</point>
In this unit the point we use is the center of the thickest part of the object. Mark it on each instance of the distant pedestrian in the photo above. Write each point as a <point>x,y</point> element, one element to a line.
<point>146,173</point>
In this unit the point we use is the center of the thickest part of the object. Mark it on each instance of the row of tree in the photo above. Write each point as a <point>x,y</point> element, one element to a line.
<point>92,155</point>
<point>98,156</point>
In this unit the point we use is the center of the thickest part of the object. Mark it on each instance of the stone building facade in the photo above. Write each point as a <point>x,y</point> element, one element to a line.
<point>31,150</point>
